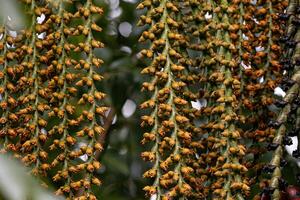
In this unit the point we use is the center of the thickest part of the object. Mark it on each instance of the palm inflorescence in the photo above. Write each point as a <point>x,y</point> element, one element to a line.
<point>214,126</point>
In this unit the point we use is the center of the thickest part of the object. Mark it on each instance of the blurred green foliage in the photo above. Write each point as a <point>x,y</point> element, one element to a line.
<point>122,165</point>
<point>16,184</point>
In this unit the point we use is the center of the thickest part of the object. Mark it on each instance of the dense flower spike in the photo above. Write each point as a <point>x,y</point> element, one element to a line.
<point>170,125</point>
<point>261,73</point>
<point>37,94</point>
<point>260,54</point>
<point>48,70</point>
<point>21,75</point>
<point>225,168</point>
<point>4,91</point>
<point>238,61</point>
<point>74,75</point>
<point>289,105</point>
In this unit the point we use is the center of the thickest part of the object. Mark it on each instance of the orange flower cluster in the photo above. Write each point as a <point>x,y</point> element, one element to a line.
<point>287,122</point>
<point>49,72</point>
<point>170,124</point>
<point>229,56</point>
